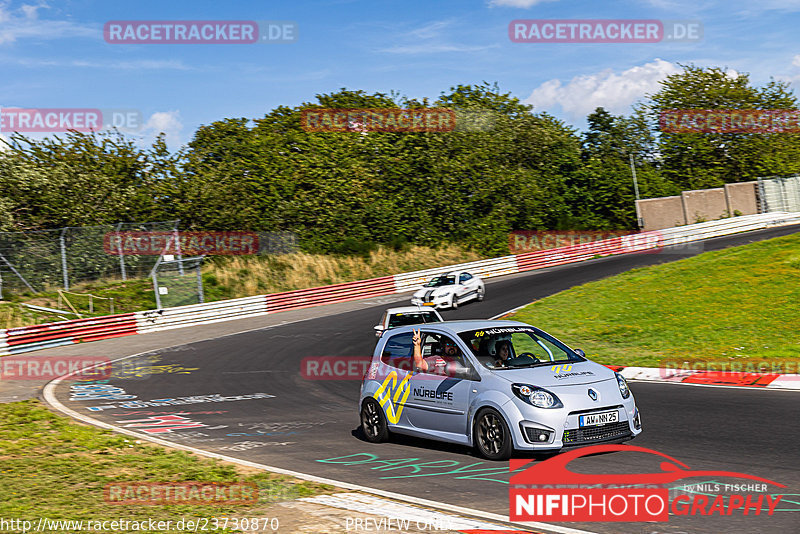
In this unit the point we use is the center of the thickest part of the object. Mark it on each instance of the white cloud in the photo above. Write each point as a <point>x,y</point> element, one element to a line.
<point>30,11</point>
<point>431,39</point>
<point>614,92</point>
<point>518,3</point>
<point>434,48</point>
<point>430,30</point>
<point>24,23</point>
<point>796,60</point>
<point>138,64</point>
<point>168,122</point>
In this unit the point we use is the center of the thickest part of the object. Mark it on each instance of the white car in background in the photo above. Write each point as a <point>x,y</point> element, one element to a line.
<point>449,290</point>
<point>406,315</point>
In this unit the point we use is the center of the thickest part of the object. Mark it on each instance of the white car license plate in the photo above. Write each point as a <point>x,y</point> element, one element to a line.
<point>595,419</point>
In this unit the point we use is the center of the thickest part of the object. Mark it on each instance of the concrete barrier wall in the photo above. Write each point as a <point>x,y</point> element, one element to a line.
<point>659,213</point>
<point>704,205</point>
<point>700,205</point>
<point>742,198</point>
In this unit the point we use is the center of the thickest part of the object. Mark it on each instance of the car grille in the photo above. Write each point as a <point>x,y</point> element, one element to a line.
<point>579,436</point>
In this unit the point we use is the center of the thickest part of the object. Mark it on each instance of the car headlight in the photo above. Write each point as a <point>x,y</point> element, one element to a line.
<point>536,396</point>
<point>623,386</point>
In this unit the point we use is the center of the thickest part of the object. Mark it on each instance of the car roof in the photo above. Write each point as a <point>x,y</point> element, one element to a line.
<point>409,309</point>
<point>455,327</point>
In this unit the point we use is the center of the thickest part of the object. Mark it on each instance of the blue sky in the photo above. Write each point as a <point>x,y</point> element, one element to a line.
<point>53,55</point>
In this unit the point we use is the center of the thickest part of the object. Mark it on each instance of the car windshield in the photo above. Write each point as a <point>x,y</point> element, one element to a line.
<point>402,319</point>
<point>517,346</point>
<point>444,280</point>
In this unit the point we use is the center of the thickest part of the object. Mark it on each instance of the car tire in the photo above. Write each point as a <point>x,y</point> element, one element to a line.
<point>491,436</point>
<point>373,422</point>
<point>480,295</point>
<point>454,302</point>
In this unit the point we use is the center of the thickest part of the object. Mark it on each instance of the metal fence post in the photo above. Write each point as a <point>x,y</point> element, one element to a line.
<point>13,270</point>
<point>154,276</point>
<point>200,283</point>
<point>121,256</point>
<point>155,290</point>
<point>179,256</point>
<point>64,258</point>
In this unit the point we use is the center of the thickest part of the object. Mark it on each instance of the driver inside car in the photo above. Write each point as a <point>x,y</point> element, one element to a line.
<point>445,360</point>
<point>504,355</point>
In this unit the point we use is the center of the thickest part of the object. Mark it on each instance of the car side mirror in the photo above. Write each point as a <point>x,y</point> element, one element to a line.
<point>378,330</point>
<point>467,374</point>
<point>580,353</point>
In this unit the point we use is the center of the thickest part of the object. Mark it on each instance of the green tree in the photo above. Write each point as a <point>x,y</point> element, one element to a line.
<point>701,160</point>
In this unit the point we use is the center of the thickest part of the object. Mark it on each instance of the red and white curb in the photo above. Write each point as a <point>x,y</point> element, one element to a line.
<point>710,378</point>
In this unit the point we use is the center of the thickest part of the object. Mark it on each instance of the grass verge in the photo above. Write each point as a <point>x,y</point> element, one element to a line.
<point>739,303</point>
<point>55,468</point>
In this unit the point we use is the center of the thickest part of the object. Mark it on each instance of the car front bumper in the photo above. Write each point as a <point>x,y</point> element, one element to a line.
<point>541,430</point>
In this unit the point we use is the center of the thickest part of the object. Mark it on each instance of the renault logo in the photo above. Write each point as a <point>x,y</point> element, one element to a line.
<point>592,394</point>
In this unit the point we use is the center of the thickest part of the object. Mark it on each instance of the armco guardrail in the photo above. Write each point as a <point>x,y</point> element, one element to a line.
<point>197,314</point>
<point>17,340</point>
<point>45,336</point>
<point>305,298</point>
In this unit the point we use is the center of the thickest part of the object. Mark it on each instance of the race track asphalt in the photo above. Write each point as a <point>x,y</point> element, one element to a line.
<point>311,426</point>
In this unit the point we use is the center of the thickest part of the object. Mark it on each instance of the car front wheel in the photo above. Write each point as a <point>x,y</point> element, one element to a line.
<point>479,296</point>
<point>491,435</point>
<point>454,302</point>
<point>373,422</point>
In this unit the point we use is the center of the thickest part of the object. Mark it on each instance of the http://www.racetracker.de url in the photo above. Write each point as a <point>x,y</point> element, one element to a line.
<point>192,524</point>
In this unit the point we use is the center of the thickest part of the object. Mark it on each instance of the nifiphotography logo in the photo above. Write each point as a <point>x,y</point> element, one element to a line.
<point>549,491</point>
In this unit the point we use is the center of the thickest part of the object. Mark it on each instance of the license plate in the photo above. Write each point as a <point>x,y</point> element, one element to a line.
<point>429,304</point>
<point>595,419</point>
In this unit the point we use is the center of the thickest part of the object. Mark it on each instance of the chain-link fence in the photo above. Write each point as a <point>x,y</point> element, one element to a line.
<point>46,259</point>
<point>58,259</point>
<point>779,194</point>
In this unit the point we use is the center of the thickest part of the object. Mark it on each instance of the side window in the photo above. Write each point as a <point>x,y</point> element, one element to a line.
<point>437,347</point>
<point>399,351</point>
<point>465,277</point>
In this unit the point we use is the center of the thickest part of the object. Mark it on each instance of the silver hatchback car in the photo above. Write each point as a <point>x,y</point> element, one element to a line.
<point>498,386</point>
